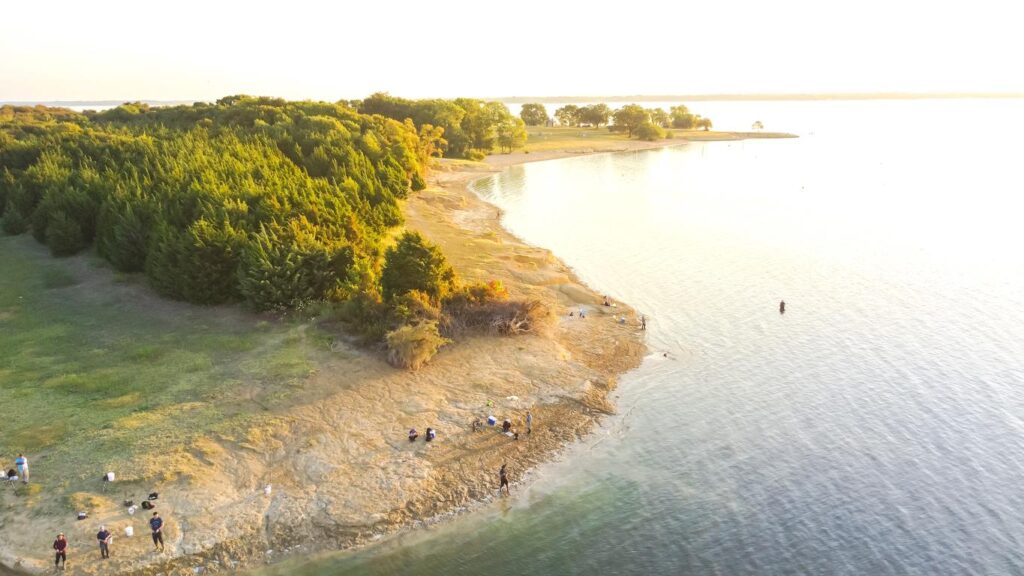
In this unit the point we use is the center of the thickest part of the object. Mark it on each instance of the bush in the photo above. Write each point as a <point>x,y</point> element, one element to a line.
<point>414,307</point>
<point>475,155</point>
<point>486,309</point>
<point>650,132</point>
<point>64,236</point>
<point>413,346</point>
<point>14,223</point>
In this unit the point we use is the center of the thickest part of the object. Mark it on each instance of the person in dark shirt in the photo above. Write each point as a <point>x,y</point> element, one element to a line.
<point>503,475</point>
<point>60,546</point>
<point>157,524</point>
<point>104,538</point>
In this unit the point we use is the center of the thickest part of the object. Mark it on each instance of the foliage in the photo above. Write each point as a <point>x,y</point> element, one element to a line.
<point>413,346</point>
<point>629,117</point>
<point>469,125</point>
<point>254,199</point>
<point>415,264</point>
<point>568,115</point>
<point>650,131</point>
<point>595,115</point>
<point>534,114</point>
<point>511,134</point>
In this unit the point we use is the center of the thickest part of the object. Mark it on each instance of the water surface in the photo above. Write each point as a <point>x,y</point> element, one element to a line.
<point>875,428</point>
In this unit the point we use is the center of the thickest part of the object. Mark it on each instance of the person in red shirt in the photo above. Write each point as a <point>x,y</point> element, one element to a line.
<point>60,546</point>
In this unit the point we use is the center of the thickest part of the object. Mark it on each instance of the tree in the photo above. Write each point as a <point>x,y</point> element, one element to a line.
<point>596,115</point>
<point>534,114</point>
<point>682,117</point>
<point>568,115</point>
<point>432,143</point>
<point>704,123</point>
<point>757,125</point>
<point>511,134</point>
<point>660,117</point>
<point>415,264</point>
<point>629,117</point>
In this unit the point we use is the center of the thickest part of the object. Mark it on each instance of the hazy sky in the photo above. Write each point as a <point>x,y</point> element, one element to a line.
<point>106,49</point>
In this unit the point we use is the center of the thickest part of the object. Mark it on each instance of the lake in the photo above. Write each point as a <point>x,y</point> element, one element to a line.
<point>877,427</point>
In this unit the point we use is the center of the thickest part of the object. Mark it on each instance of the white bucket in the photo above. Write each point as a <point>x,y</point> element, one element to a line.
<point>129,531</point>
<point>110,476</point>
<point>131,509</point>
<point>268,489</point>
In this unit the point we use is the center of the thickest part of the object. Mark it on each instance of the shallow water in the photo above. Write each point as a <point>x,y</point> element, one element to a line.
<point>875,428</point>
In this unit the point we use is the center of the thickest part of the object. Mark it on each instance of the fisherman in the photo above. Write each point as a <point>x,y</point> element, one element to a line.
<point>157,524</point>
<point>60,547</point>
<point>782,306</point>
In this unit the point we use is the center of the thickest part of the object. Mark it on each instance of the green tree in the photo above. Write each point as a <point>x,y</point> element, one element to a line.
<point>595,114</point>
<point>511,134</point>
<point>568,115</point>
<point>704,123</point>
<point>415,264</point>
<point>757,125</point>
<point>629,117</point>
<point>682,117</point>
<point>534,114</point>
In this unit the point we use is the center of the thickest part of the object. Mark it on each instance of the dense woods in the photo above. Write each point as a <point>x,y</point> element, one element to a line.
<point>247,199</point>
<point>257,200</point>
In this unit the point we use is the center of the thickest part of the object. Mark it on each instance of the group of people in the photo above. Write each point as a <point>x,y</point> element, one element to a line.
<point>104,537</point>
<point>413,434</point>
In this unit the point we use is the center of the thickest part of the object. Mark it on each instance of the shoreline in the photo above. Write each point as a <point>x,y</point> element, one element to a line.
<point>343,474</point>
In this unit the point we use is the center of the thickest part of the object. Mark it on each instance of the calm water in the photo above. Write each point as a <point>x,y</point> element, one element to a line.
<point>876,428</point>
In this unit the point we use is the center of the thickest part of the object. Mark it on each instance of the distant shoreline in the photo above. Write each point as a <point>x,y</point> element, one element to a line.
<point>723,97</point>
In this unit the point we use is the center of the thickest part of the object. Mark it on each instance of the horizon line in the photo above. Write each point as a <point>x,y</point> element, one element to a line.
<point>725,96</point>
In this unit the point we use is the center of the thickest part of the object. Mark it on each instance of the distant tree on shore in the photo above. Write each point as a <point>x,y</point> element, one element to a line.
<point>511,134</point>
<point>534,114</point>
<point>660,117</point>
<point>568,115</point>
<point>595,114</point>
<point>704,123</point>
<point>757,125</point>
<point>682,117</point>
<point>629,117</point>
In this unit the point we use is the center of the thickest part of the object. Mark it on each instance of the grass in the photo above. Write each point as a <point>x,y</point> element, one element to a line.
<point>559,137</point>
<point>98,374</point>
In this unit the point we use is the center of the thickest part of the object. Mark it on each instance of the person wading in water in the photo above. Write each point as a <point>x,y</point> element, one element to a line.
<point>782,306</point>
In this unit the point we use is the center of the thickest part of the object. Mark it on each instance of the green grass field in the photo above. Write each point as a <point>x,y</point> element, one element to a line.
<point>97,373</point>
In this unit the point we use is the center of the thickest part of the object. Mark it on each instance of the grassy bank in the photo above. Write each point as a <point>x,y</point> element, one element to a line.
<point>97,374</point>
<point>559,138</point>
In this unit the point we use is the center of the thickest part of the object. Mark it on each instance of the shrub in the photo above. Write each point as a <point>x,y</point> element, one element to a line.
<point>414,307</point>
<point>413,346</point>
<point>650,132</point>
<point>476,155</point>
<point>415,264</point>
<point>485,308</point>
<point>14,223</point>
<point>63,235</point>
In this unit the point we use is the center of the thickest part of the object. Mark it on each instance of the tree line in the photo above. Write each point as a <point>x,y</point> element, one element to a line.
<point>646,123</point>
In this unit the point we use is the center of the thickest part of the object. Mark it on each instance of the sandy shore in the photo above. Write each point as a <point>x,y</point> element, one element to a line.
<point>342,471</point>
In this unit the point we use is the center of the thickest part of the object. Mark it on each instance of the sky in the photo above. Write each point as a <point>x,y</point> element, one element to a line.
<point>203,50</point>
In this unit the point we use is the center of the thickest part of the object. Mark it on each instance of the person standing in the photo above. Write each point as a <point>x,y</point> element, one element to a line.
<point>529,422</point>
<point>782,306</point>
<point>22,464</point>
<point>503,475</point>
<point>60,547</point>
<point>104,538</point>
<point>157,524</point>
